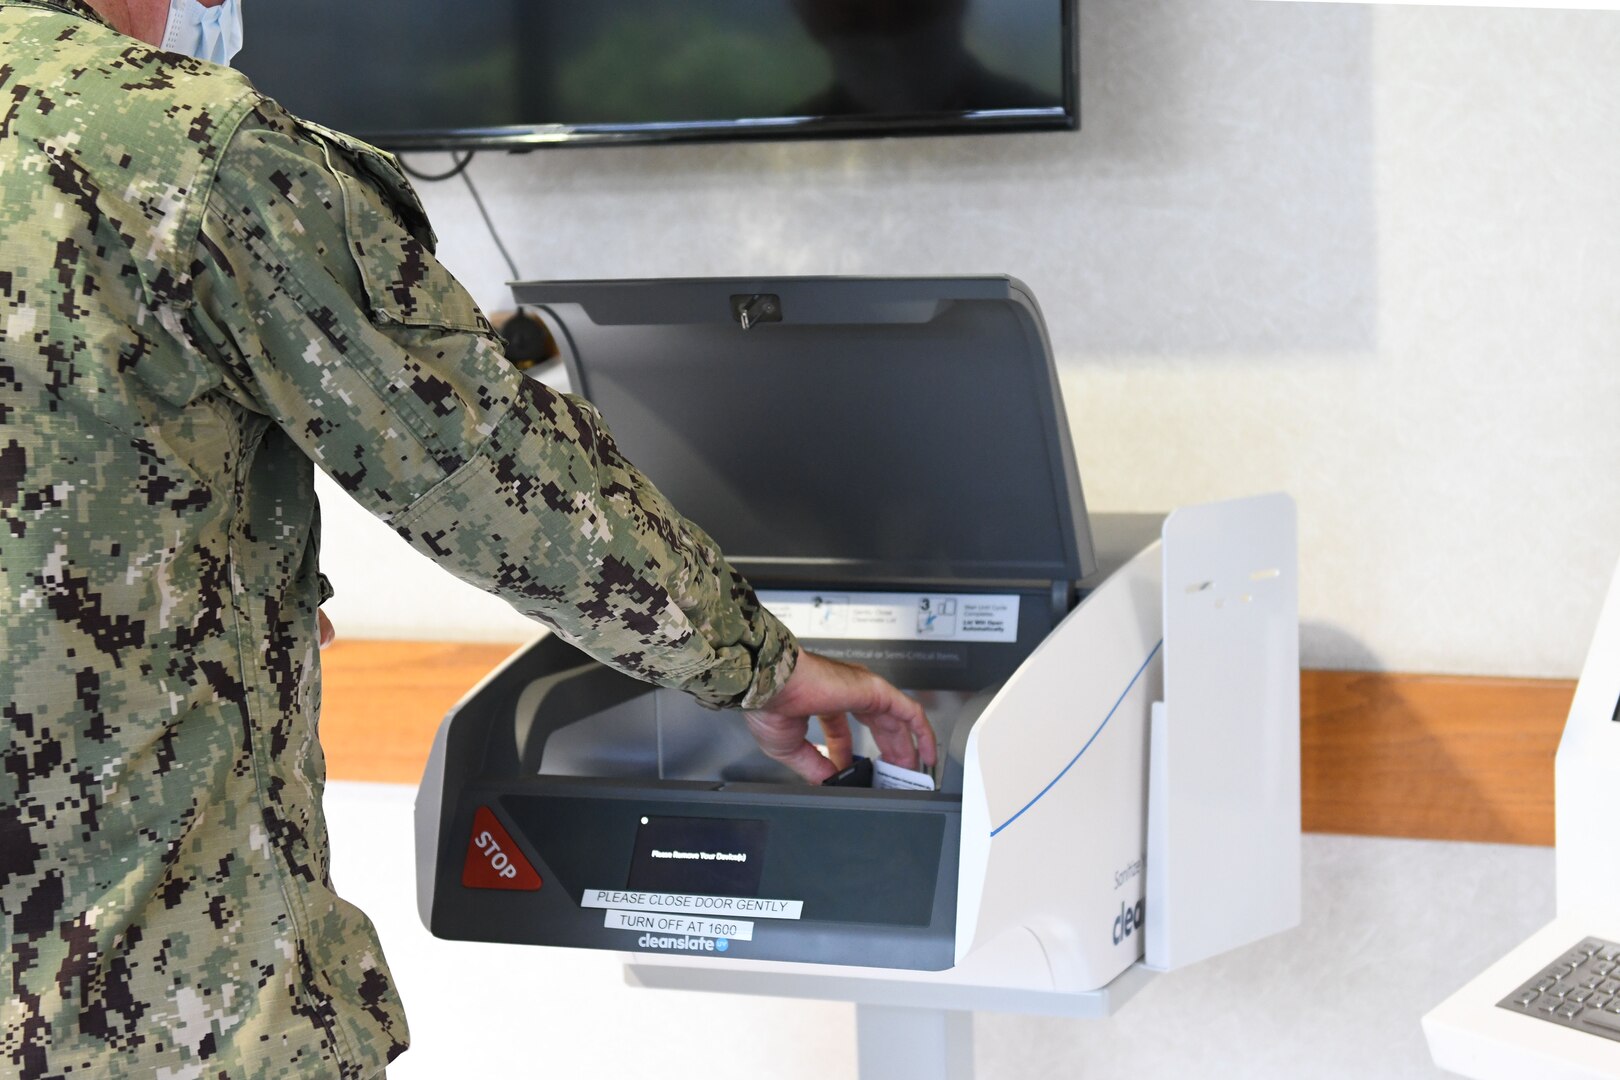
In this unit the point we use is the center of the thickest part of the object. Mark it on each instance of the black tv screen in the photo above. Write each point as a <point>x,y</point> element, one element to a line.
<point>430,74</point>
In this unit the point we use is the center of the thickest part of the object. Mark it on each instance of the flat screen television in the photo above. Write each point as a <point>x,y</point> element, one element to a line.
<point>436,74</point>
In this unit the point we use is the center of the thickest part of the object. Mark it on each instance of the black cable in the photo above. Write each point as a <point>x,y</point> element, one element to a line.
<point>460,169</point>
<point>526,340</point>
<point>455,170</point>
<point>466,178</point>
<point>528,343</point>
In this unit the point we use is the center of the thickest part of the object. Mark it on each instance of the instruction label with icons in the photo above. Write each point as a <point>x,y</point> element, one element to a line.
<point>846,616</point>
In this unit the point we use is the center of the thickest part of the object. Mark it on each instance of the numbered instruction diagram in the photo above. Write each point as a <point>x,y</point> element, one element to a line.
<point>896,616</point>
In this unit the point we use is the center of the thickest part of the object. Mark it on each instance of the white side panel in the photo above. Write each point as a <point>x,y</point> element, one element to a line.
<point>1588,764</point>
<point>1054,796</point>
<point>1224,811</point>
<point>1469,1035</point>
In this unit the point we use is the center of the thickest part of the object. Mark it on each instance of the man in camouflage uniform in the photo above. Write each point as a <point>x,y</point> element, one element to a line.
<point>201,296</point>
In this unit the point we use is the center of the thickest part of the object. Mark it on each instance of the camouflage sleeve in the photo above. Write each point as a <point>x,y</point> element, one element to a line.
<point>319,296</point>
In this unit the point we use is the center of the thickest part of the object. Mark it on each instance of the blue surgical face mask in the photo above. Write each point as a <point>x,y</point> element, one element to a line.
<point>213,34</point>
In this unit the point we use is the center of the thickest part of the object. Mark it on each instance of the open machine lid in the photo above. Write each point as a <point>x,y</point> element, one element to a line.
<point>854,431</point>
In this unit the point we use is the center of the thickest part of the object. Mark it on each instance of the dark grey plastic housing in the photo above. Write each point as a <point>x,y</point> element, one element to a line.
<point>858,431</point>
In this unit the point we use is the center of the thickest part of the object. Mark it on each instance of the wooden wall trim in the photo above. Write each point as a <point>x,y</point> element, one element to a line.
<point>382,701</point>
<point>1438,757</point>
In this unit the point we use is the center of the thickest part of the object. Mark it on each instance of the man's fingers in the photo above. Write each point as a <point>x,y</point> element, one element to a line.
<point>893,739</point>
<point>832,691</point>
<point>927,743</point>
<point>840,743</point>
<point>327,632</point>
<point>807,761</point>
<point>782,739</point>
<point>900,727</point>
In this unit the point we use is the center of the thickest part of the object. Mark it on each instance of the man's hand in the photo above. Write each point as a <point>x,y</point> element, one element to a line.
<point>327,633</point>
<point>831,690</point>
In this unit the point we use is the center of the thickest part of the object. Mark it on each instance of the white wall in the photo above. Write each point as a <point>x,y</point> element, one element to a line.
<point>1368,256</point>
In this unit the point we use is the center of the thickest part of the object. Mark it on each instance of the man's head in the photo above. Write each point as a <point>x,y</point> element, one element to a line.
<point>146,19</point>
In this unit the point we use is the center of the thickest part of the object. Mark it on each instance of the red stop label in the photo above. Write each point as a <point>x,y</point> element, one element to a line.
<point>493,859</point>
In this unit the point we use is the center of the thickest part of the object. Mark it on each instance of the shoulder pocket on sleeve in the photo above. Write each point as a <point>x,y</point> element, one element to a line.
<point>391,241</point>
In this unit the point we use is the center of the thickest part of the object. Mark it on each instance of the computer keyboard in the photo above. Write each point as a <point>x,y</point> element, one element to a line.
<point>1580,990</point>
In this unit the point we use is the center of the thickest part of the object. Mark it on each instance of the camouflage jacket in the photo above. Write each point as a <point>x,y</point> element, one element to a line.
<point>201,298</point>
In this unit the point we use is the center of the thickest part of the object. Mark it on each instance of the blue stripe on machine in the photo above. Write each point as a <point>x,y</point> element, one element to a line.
<point>1089,741</point>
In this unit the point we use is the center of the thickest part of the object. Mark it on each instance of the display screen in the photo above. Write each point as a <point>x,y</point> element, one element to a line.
<point>698,856</point>
<point>422,73</point>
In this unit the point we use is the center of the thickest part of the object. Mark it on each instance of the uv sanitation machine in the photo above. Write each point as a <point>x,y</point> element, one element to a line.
<point>889,463</point>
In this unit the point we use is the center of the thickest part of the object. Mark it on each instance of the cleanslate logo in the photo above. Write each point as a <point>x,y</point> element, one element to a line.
<point>1129,921</point>
<point>687,944</point>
